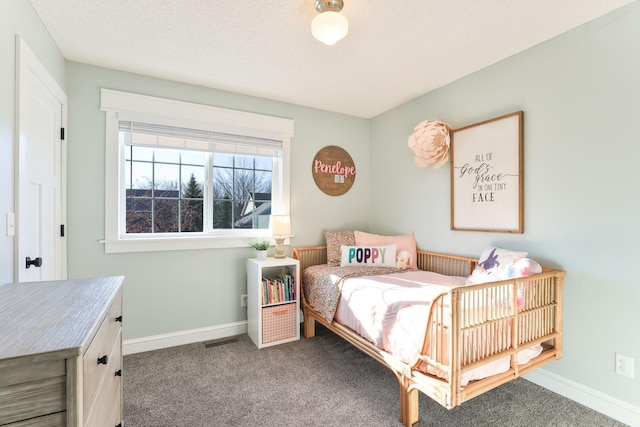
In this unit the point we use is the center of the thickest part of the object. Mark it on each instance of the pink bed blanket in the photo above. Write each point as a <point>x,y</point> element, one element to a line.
<point>323,284</point>
<point>390,309</point>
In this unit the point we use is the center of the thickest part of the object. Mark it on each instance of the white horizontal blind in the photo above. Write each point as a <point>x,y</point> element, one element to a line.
<point>176,137</point>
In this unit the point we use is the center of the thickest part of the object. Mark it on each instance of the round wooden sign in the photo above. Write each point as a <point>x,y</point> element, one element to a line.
<point>333,170</point>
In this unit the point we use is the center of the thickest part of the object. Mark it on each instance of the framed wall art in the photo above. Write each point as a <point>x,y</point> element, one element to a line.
<point>333,170</point>
<point>487,175</point>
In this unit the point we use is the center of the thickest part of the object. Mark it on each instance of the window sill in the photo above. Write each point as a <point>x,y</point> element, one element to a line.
<point>156,244</point>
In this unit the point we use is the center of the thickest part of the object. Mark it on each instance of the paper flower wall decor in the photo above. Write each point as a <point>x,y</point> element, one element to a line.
<point>430,143</point>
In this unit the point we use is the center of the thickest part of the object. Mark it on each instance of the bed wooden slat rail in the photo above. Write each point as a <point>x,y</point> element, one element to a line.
<point>468,327</point>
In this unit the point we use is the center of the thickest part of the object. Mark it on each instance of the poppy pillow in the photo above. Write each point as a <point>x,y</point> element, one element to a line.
<point>405,242</point>
<point>368,256</point>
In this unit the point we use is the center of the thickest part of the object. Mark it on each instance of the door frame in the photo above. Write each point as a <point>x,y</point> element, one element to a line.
<point>27,61</point>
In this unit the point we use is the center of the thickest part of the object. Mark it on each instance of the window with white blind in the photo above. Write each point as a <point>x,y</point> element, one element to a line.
<point>186,176</point>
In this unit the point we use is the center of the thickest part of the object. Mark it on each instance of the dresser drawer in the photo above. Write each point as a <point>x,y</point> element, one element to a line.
<point>98,362</point>
<point>26,372</point>
<point>53,420</point>
<point>115,315</point>
<point>106,411</point>
<point>32,398</point>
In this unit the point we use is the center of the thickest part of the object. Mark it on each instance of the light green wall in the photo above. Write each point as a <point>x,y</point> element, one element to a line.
<point>17,17</point>
<point>580,94</point>
<point>181,290</point>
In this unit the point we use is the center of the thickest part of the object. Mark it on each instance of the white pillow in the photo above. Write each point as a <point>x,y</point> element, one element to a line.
<point>495,264</point>
<point>405,242</point>
<point>368,256</point>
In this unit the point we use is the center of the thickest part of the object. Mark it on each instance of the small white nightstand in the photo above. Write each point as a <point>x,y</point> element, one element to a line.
<point>273,300</point>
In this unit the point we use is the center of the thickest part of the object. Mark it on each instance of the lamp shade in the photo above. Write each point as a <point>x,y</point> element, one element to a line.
<point>280,225</point>
<point>329,27</point>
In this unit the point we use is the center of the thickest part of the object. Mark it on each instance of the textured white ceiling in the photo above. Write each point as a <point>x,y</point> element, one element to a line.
<point>394,52</point>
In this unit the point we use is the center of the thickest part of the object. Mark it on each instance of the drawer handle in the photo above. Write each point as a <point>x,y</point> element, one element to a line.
<point>102,360</point>
<point>119,373</point>
<point>119,318</point>
<point>279,313</point>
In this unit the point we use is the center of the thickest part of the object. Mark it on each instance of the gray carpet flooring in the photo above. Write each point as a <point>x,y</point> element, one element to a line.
<point>319,382</point>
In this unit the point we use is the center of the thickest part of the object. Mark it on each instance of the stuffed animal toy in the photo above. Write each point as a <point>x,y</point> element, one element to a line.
<point>402,260</point>
<point>526,267</point>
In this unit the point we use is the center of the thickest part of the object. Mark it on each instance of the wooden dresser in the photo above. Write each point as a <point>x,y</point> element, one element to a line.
<point>61,353</point>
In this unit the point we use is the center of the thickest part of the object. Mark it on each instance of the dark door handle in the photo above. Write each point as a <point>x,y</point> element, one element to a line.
<point>35,262</point>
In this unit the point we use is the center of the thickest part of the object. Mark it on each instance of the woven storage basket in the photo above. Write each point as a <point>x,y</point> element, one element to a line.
<point>278,322</point>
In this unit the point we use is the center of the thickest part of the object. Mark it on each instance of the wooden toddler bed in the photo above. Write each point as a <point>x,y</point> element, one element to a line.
<point>478,325</point>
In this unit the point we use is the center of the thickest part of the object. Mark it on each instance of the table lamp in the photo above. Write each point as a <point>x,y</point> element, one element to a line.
<point>281,229</point>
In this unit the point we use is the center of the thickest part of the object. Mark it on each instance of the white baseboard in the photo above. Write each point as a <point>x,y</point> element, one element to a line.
<point>596,400</point>
<point>157,342</point>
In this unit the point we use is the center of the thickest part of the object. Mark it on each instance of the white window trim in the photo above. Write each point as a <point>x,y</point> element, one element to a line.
<point>115,103</point>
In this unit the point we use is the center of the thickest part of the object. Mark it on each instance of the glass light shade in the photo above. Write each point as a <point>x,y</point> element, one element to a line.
<point>329,27</point>
<point>280,225</point>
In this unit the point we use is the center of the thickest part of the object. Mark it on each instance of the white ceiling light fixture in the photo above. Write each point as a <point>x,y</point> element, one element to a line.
<point>329,26</point>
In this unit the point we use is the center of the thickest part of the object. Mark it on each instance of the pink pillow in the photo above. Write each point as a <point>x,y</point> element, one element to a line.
<point>405,242</point>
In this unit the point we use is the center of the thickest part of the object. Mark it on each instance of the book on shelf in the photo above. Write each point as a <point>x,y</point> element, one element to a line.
<point>278,288</point>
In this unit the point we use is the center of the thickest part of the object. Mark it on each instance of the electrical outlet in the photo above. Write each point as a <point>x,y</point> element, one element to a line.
<point>624,365</point>
<point>243,300</point>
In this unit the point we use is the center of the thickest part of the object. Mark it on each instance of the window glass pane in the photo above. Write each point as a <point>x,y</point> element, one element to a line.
<point>192,181</point>
<point>261,221</point>
<point>165,215</point>
<point>142,204</point>
<point>222,159</point>
<point>139,215</point>
<point>248,189</point>
<point>166,155</point>
<point>141,174</point>
<point>167,178</point>
<point>138,222</point>
<point>127,174</point>
<point>263,182</point>
<point>193,158</point>
<point>222,214</point>
<point>191,215</point>
<point>176,203</point>
<point>243,186</point>
<point>244,162</point>
<point>142,153</point>
<point>222,183</point>
<point>264,163</point>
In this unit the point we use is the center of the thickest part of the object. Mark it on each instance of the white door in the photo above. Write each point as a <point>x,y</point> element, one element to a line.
<point>40,183</point>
